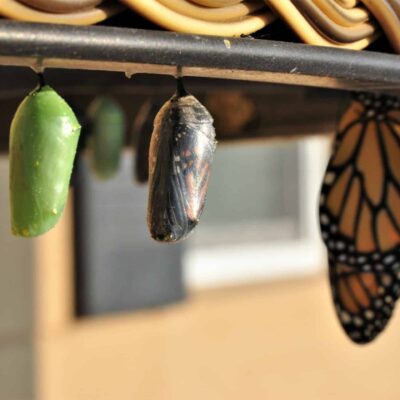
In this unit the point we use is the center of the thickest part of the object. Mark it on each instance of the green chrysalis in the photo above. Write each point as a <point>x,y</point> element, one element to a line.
<point>43,140</point>
<point>107,136</point>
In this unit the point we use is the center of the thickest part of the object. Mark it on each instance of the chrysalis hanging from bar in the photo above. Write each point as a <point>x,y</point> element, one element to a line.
<point>141,136</point>
<point>181,153</point>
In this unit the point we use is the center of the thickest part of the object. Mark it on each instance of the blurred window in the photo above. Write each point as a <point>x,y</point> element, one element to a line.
<point>260,220</point>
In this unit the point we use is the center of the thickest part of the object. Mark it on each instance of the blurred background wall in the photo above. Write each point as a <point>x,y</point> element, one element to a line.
<point>248,312</point>
<point>17,267</point>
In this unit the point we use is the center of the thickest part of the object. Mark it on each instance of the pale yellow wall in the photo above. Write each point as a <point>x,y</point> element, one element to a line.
<point>16,308</point>
<point>270,341</point>
<point>278,341</point>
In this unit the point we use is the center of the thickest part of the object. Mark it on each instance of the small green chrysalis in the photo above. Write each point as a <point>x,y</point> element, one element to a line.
<point>107,136</point>
<point>43,140</point>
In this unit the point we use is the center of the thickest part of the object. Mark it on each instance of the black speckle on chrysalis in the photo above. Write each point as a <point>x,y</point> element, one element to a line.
<point>180,157</point>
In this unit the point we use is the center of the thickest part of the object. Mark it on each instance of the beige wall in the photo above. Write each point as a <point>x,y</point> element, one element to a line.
<point>277,341</point>
<point>274,341</point>
<point>271,341</point>
<point>16,296</point>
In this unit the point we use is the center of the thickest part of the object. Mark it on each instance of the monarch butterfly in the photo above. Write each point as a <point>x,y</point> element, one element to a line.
<point>360,215</point>
<point>43,140</point>
<point>180,156</point>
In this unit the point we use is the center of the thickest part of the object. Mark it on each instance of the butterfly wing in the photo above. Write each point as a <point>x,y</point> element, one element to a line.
<point>360,215</point>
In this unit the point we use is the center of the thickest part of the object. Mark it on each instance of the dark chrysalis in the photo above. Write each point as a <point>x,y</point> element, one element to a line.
<point>141,136</point>
<point>181,153</point>
<point>360,215</point>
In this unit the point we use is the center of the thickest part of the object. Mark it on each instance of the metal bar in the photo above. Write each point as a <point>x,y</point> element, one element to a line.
<point>142,51</point>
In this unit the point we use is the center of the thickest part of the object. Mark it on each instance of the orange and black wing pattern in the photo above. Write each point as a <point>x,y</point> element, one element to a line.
<point>360,215</point>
